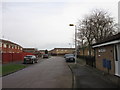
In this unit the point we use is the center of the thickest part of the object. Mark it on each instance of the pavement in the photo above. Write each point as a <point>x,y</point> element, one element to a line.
<point>48,73</point>
<point>88,77</point>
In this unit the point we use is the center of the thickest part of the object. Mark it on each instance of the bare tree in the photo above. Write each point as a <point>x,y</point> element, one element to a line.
<point>102,25</point>
<point>96,27</point>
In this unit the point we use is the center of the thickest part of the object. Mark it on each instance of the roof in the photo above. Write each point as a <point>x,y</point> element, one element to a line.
<point>29,48</point>
<point>41,50</point>
<point>110,40</point>
<point>6,41</point>
<point>65,48</point>
<point>62,49</point>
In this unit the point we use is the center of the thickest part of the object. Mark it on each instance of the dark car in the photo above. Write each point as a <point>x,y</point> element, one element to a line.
<point>30,59</point>
<point>45,56</point>
<point>69,57</point>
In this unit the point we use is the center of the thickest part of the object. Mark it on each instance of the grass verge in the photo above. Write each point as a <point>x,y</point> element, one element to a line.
<point>10,68</point>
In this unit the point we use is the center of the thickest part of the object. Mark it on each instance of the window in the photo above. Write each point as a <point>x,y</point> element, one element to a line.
<point>15,46</point>
<point>21,49</point>
<point>12,47</point>
<point>4,45</point>
<point>9,46</point>
<point>116,53</point>
<point>88,52</point>
<point>62,50</point>
<point>0,44</point>
<point>18,47</point>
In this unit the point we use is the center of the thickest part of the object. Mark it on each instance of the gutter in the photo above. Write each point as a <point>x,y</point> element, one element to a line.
<point>107,43</point>
<point>73,77</point>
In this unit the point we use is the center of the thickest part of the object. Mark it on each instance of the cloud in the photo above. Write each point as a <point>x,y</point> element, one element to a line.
<point>46,24</point>
<point>29,26</point>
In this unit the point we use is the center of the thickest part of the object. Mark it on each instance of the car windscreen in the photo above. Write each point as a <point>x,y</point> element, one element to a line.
<point>28,56</point>
<point>45,54</point>
<point>69,55</point>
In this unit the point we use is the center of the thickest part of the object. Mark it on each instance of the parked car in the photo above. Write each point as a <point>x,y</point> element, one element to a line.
<point>45,55</point>
<point>30,59</point>
<point>69,57</point>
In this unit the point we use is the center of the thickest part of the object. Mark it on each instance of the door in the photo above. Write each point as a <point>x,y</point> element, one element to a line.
<point>117,59</point>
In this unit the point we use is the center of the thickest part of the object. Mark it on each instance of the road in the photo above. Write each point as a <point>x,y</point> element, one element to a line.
<point>49,73</point>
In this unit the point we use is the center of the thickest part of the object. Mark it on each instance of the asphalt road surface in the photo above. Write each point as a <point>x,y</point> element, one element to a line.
<point>50,73</point>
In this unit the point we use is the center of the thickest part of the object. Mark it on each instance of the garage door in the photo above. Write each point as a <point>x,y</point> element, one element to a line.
<point>119,59</point>
<point>117,62</point>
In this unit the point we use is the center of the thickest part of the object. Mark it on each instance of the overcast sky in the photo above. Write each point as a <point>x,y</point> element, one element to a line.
<point>44,24</point>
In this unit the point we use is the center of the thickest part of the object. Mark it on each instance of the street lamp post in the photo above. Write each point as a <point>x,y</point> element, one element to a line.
<point>70,45</point>
<point>75,41</point>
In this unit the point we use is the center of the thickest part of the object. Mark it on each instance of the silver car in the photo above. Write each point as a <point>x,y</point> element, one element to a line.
<point>69,57</point>
<point>30,59</point>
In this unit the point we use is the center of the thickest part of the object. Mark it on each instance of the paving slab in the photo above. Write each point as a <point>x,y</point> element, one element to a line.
<point>87,77</point>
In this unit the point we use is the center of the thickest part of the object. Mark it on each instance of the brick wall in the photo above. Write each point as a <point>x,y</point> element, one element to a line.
<point>106,52</point>
<point>86,52</point>
<point>61,51</point>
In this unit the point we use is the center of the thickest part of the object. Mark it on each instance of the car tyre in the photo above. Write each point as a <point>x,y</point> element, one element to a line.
<point>33,61</point>
<point>36,61</point>
<point>24,62</point>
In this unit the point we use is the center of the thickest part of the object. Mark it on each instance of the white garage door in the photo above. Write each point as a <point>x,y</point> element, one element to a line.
<point>118,59</point>
<point>117,62</point>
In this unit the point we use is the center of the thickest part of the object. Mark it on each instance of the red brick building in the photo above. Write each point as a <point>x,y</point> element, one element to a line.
<point>30,50</point>
<point>9,47</point>
<point>34,51</point>
<point>62,51</point>
<point>11,52</point>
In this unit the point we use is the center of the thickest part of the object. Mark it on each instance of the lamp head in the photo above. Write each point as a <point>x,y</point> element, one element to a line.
<point>71,24</point>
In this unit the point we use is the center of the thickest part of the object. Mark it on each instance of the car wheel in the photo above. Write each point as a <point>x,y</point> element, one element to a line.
<point>33,61</point>
<point>74,60</point>
<point>24,62</point>
<point>36,61</point>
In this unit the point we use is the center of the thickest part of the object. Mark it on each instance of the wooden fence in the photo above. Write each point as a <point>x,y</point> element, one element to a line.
<point>11,57</point>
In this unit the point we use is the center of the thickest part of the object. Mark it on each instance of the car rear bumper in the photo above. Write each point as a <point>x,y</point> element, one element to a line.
<point>70,60</point>
<point>27,61</point>
<point>45,57</point>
